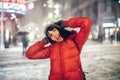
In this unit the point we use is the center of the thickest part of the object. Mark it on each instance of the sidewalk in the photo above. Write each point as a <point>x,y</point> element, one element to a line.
<point>100,61</point>
<point>105,42</point>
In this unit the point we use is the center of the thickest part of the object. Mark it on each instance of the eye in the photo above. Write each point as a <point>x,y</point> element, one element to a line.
<point>54,30</point>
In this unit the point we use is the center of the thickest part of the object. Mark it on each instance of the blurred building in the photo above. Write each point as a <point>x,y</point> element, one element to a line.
<point>104,13</point>
<point>37,13</point>
<point>10,12</point>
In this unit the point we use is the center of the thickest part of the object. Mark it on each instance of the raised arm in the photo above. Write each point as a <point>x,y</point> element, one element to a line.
<point>84,24</point>
<point>38,51</point>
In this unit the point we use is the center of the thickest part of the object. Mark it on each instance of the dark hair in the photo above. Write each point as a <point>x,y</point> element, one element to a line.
<point>64,33</point>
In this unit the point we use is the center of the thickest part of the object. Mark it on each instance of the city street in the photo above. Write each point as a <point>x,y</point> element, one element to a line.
<point>100,62</point>
<point>23,22</point>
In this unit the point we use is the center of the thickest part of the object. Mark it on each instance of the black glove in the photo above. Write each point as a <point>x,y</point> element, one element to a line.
<point>60,23</point>
<point>46,40</point>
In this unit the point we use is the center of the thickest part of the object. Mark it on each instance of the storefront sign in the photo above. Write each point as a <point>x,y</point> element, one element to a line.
<point>14,1</point>
<point>13,6</point>
<point>108,25</point>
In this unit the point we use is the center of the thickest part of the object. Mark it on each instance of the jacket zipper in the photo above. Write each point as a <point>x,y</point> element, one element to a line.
<point>61,62</point>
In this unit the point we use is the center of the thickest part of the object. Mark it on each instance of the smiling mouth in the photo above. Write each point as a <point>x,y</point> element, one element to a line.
<point>59,37</point>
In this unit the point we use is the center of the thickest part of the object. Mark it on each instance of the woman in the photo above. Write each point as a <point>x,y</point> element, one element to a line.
<point>64,51</point>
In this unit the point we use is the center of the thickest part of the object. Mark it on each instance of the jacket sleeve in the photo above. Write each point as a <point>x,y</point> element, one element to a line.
<point>84,24</point>
<point>38,51</point>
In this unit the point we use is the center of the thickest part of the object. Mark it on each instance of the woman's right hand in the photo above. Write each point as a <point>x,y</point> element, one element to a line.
<point>60,23</point>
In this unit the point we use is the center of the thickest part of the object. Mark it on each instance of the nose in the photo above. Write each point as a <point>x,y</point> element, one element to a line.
<point>55,35</point>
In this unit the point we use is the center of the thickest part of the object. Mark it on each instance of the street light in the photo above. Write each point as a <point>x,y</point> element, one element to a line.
<point>119,1</point>
<point>2,27</point>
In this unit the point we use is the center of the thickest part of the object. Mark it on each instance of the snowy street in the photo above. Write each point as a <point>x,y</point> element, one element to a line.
<point>100,62</point>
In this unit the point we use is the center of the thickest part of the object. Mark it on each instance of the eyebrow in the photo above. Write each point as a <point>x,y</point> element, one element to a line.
<point>49,33</point>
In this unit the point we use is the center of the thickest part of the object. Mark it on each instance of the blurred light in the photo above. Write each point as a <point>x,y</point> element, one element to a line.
<point>13,7</point>
<point>117,29</point>
<point>50,6</point>
<point>38,36</point>
<point>108,25</point>
<point>50,15</point>
<point>118,22</point>
<point>29,28</point>
<point>56,11</point>
<point>15,1</point>
<point>7,34</point>
<point>44,23</point>
<point>31,36</point>
<point>44,5</point>
<point>37,28</point>
<point>119,1</point>
<point>30,5</point>
<point>107,32</point>
<point>56,6</point>
<point>16,19</point>
<point>11,18</point>
<point>90,36</point>
<point>18,26</point>
<point>13,15</point>
<point>50,3</point>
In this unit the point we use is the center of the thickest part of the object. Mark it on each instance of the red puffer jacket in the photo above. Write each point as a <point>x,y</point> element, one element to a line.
<point>64,56</point>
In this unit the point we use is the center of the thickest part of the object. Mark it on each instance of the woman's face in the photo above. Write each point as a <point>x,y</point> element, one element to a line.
<point>55,35</point>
